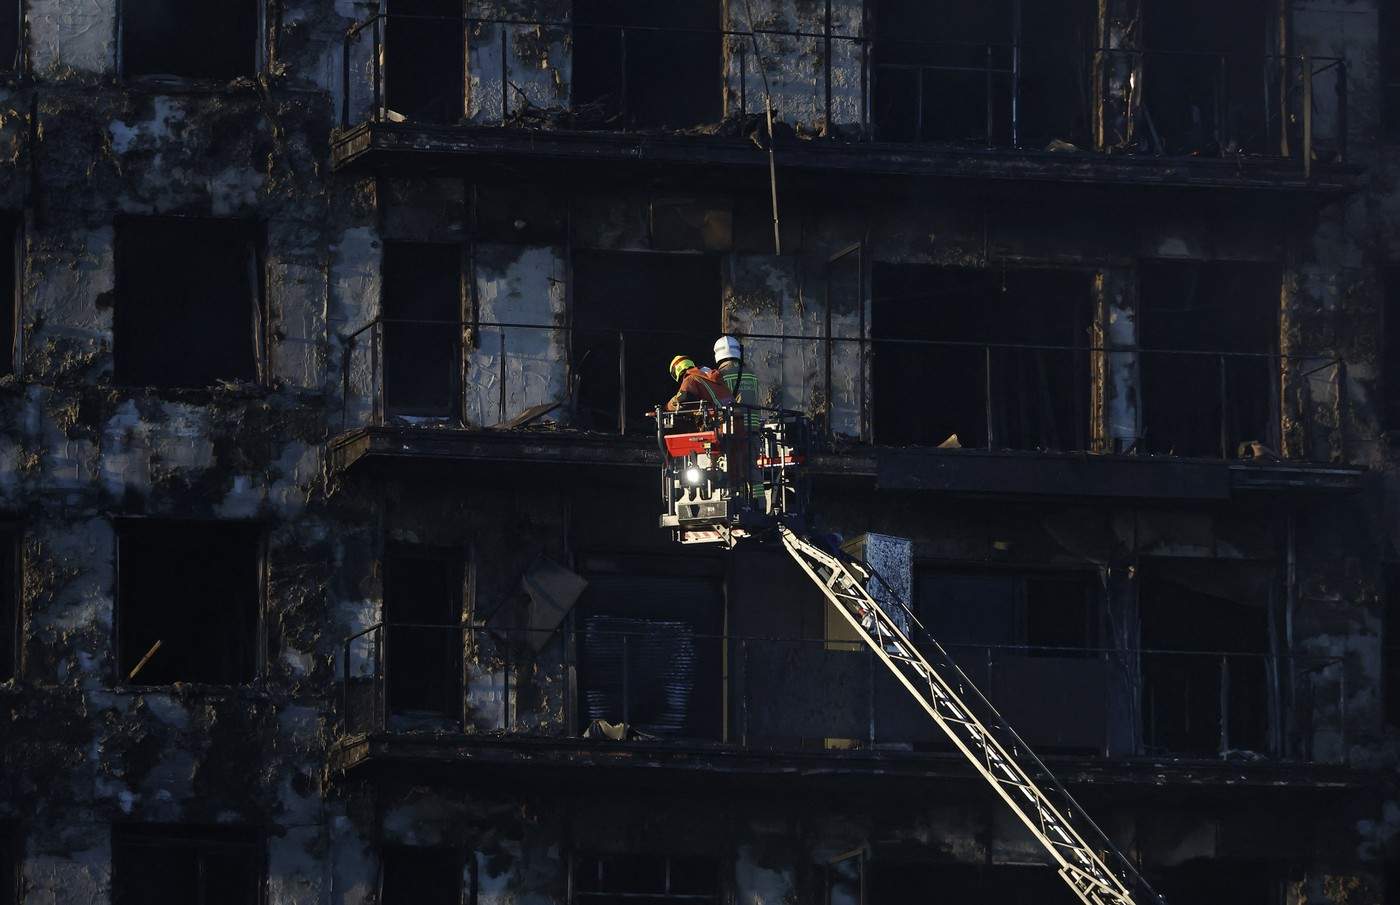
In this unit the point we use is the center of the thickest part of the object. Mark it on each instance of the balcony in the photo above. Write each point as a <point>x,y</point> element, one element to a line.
<point>1012,419</point>
<point>423,697</point>
<point>606,95</point>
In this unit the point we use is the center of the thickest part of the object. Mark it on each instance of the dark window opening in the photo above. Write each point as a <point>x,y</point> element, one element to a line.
<point>642,64</point>
<point>892,882</point>
<point>10,257</point>
<point>189,309</point>
<point>1391,873</point>
<point>11,27</point>
<point>1221,881</point>
<point>9,863</point>
<point>924,394</point>
<point>423,615</point>
<point>188,596</point>
<point>9,605</point>
<point>1197,398</point>
<point>191,40</point>
<point>1204,673</point>
<point>644,880</point>
<point>1204,74</point>
<point>633,312</point>
<point>1015,633</point>
<point>948,71</point>
<point>153,865</point>
<point>1389,46</point>
<point>423,287</point>
<point>649,651</point>
<point>1390,650</point>
<point>1390,351</point>
<point>424,58</point>
<point>420,876</point>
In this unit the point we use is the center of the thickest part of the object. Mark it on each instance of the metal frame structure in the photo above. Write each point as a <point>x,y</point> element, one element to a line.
<point>709,472</point>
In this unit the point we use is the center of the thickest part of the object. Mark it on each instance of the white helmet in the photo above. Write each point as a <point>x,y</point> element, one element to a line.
<point>727,347</point>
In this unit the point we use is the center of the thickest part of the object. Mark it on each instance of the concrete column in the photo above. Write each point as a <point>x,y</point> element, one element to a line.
<point>1117,404</point>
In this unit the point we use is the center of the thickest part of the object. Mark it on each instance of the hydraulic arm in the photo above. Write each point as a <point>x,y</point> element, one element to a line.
<point>1087,861</point>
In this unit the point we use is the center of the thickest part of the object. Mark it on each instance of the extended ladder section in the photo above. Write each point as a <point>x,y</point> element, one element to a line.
<point>1091,866</point>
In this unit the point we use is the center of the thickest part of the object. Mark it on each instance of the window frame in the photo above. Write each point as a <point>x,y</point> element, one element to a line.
<point>201,838</point>
<point>260,630</point>
<point>262,53</point>
<point>262,330</point>
<point>577,896</point>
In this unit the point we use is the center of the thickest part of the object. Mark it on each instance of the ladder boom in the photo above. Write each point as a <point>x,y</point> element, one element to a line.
<point>979,733</point>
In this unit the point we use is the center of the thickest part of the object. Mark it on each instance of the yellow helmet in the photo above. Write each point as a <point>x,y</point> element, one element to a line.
<point>679,365</point>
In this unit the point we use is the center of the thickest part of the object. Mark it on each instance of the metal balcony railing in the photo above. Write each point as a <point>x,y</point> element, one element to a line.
<point>889,392</point>
<point>669,683</point>
<point>996,95</point>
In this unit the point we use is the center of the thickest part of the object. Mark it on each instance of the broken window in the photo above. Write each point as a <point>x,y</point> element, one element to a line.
<point>1390,351</point>
<point>168,863</point>
<point>424,60</point>
<point>1390,651</point>
<point>645,880</point>
<point>423,621</point>
<point>1009,356</point>
<point>188,601</point>
<point>9,604</point>
<point>642,64</point>
<point>420,876</point>
<point>189,307</point>
<point>11,27</point>
<point>423,298</point>
<point>1204,70</point>
<point>191,40</point>
<point>1205,642</point>
<point>1017,632</point>
<point>998,73</point>
<point>10,268</point>
<point>649,649</point>
<point>1389,46</point>
<point>633,312</point>
<point>1209,334</point>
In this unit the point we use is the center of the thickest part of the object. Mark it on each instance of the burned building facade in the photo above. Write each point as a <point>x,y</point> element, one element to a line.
<point>330,501</point>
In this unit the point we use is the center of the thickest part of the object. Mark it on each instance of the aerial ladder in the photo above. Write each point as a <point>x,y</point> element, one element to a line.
<point>735,474</point>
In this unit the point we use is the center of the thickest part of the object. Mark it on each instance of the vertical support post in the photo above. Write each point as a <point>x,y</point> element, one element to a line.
<point>1342,125</point>
<point>1222,103</point>
<point>919,112</point>
<point>506,669</point>
<point>827,70</point>
<point>377,383</point>
<point>622,64</point>
<point>501,381</point>
<point>345,721</point>
<point>381,670</point>
<point>1306,62</point>
<point>987,65</point>
<point>345,79</point>
<point>505,76</point>
<point>870,666</point>
<point>987,393</point>
<point>744,701</point>
<point>865,88</point>
<point>377,65</point>
<point>1224,703</point>
<point>1224,410</point>
<point>345,365</point>
<point>626,681</point>
<point>1016,74</point>
<point>743,79</point>
<point>621,382</point>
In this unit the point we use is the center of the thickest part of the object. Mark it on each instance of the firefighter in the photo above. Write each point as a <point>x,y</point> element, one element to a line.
<point>695,384</point>
<point>729,362</point>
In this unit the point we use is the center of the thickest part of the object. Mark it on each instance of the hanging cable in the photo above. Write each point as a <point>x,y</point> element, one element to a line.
<point>768,108</point>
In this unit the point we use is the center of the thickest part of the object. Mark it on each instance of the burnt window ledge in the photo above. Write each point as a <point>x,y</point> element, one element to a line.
<point>370,145</point>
